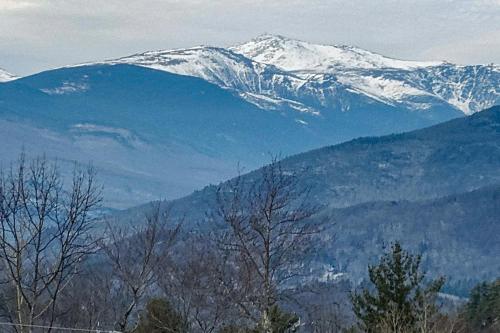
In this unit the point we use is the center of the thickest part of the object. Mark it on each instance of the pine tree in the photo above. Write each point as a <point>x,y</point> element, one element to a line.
<point>400,302</point>
<point>483,309</point>
<point>278,321</point>
<point>161,317</point>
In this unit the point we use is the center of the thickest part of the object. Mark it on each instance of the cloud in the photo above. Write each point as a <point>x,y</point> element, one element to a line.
<point>13,5</point>
<point>39,34</point>
<point>480,48</point>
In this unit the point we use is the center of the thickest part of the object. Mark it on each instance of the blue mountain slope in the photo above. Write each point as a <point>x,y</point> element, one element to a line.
<point>436,189</point>
<point>457,235</point>
<point>157,106</point>
<point>150,134</point>
<point>156,134</point>
<point>457,156</point>
<point>140,97</point>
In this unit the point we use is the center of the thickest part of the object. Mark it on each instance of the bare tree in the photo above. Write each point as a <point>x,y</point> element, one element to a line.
<point>190,281</point>
<point>45,234</point>
<point>266,233</point>
<point>135,251</point>
<point>87,300</point>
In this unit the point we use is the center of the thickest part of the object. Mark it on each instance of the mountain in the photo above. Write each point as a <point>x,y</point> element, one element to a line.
<point>164,123</point>
<point>457,156</point>
<point>279,73</point>
<point>435,189</point>
<point>457,235</point>
<point>150,134</point>
<point>300,56</point>
<point>6,76</point>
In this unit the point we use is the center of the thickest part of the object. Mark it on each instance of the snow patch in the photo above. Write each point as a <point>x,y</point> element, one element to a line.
<point>67,88</point>
<point>382,89</point>
<point>6,76</point>
<point>295,55</point>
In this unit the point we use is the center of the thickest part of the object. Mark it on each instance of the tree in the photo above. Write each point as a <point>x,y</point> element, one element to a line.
<point>277,322</point>
<point>265,234</point>
<point>87,301</point>
<point>45,235</point>
<point>400,302</point>
<point>482,311</point>
<point>134,252</point>
<point>190,281</point>
<point>161,317</point>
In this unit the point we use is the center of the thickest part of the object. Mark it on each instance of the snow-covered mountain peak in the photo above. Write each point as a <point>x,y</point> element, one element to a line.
<point>278,73</point>
<point>254,81</point>
<point>6,76</point>
<point>216,65</point>
<point>200,61</point>
<point>296,55</point>
<point>269,37</point>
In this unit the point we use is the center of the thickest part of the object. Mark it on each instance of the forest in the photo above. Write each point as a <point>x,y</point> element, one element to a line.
<point>68,266</point>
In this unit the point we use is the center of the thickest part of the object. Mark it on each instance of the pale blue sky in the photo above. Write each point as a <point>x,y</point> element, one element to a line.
<point>41,34</point>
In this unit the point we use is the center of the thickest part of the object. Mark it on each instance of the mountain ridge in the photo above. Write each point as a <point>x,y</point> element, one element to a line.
<point>276,72</point>
<point>428,188</point>
<point>457,156</point>
<point>220,107</point>
<point>262,48</point>
<point>410,84</point>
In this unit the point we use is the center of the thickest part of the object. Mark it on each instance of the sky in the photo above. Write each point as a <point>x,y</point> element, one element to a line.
<point>36,35</point>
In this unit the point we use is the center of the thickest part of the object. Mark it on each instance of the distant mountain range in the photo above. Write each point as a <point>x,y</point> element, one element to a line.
<point>457,235</point>
<point>457,156</point>
<point>164,123</point>
<point>279,73</point>
<point>437,190</point>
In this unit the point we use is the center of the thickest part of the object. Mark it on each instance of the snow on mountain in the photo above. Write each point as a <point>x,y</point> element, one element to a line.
<point>256,82</point>
<point>467,88</point>
<point>6,76</point>
<point>149,133</point>
<point>261,84</point>
<point>131,111</point>
<point>209,63</point>
<point>66,88</point>
<point>383,89</point>
<point>295,55</point>
<point>278,73</point>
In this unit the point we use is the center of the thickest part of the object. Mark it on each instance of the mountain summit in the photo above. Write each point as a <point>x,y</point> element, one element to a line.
<point>296,55</point>
<point>281,73</point>
<point>164,123</point>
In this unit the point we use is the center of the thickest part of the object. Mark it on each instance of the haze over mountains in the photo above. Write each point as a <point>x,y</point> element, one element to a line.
<point>164,123</point>
<point>437,190</point>
<point>457,156</point>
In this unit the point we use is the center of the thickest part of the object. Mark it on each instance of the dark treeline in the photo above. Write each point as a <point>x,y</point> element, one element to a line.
<point>63,265</point>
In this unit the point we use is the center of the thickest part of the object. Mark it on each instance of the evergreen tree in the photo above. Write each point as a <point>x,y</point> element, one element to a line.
<point>234,329</point>
<point>277,321</point>
<point>482,311</point>
<point>400,302</point>
<point>161,318</point>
